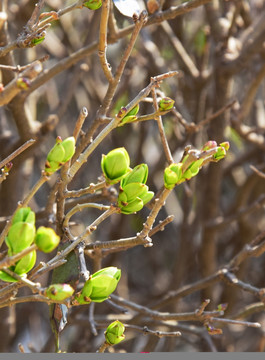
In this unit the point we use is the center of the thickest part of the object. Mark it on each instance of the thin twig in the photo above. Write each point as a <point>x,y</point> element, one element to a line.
<point>161,129</point>
<point>17,152</point>
<point>80,121</point>
<point>102,46</point>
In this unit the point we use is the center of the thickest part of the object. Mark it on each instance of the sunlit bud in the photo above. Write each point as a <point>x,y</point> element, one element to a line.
<point>209,145</point>
<point>20,236</point>
<point>46,239</point>
<point>139,174</point>
<point>220,153</point>
<point>166,104</point>
<point>24,215</point>
<point>193,169</point>
<point>225,145</point>
<point>115,165</point>
<point>69,147</point>
<point>23,83</point>
<point>132,207</point>
<point>131,191</point>
<point>93,4</point>
<point>115,333</point>
<point>59,291</point>
<point>24,265</point>
<point>100,285</point>
<point>172,175</point>
<point>131,115</point>
<point>61,152</point>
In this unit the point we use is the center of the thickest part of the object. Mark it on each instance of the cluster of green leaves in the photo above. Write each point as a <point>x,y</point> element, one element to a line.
<point>133,192</point>
<point>192,162</point>
<point>21,235</point>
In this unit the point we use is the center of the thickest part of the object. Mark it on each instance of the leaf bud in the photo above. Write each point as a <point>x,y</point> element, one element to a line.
<point>59,292</point>
<point>211,144</point>
<point>139,174</point>
<point>24,265</point>
<point>20,236</point>
<point>114,333</point>
<point>100,285</point>
<point>93,4</point>
<point>166,104</point>
<point>24,214</point>
<point>115,165</point>
<point>172,175</point>
<point>46,239</point>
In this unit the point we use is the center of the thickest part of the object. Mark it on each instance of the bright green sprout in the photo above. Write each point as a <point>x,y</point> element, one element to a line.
<point>115,165</point>
<point>114,333</point>
<point>99,286</point>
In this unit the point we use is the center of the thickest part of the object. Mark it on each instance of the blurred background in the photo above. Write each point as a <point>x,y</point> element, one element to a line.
<point>218,48</point>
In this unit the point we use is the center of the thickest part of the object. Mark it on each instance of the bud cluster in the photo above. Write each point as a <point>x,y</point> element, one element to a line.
<point>21,235</point>
<point>192,162</point>
<point>134,193</point>
<point>62,151</point>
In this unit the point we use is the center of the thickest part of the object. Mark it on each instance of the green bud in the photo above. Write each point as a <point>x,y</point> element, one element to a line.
<point>5,277</point>
<point>24,215</point>
<point>209,145</point>
<point>166,104</point>
<point>193,169</point>
<point>147,196</point>
<point>24,265</point>
<point>69,147</point>
<point>99,286</point>
<point>115,165</point>
<point>220,153</point>
<point>61,152</point>
<point>93,4</point>
<point>172,175</point>
<point>59,292</point>
<point>131,191</point>
<point>115,333</point>
<point>131,115</point>
<point>20,236</point>
<point>132,207</point>
<point>38,39</point>
<point>139,174</point>
<point>133,197</point>
<point>46,239</point>
<point>225,145</point>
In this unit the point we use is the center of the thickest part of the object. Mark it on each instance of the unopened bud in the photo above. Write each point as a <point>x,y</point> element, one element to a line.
<point>115,165</point>
<point>59,291</point>
<point>46,239</point>
<point>115,333</point>
<point>166,104</point>
<point>93,4</point>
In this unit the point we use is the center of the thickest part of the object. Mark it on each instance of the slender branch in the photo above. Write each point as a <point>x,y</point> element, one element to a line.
<point>17,152</point>
<point>32,298</point>
<point>10,260</point>
<point>102,47</point>
<point>84,235</point>
<point>91,189</point>
<point>161,129</point>
<point>80,121</point>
